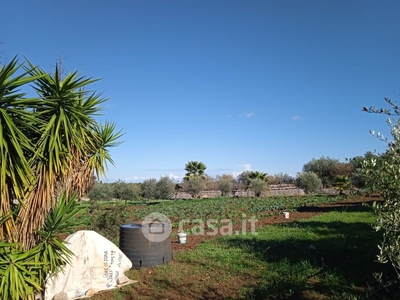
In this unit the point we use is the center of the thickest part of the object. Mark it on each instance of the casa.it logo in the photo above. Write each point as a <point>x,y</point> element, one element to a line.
<point>156,227</point>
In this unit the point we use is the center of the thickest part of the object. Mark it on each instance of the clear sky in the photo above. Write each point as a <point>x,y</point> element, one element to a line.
<point>239,85</point>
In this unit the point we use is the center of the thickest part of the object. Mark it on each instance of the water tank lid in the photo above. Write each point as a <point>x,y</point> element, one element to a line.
<point>131,226</point>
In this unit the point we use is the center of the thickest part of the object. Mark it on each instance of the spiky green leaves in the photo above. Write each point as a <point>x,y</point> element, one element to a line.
<point>195,168</point>
<point>19,272</point>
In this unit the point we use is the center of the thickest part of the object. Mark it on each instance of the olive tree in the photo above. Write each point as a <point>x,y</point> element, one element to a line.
<point>149,189</point>
<point>281,178</point>
<point>358,178</point>
<point>225,183</point>
<point>101,192</point>
<point>165,188</point>
<point>258,185</point>
<point>383,176</point>
<point>324,167</point>
<point>194,185</point>
<point>309,182</point>
<point>126,190</point>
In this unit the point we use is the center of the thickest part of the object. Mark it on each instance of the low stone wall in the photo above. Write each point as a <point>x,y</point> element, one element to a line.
<point>286,192</point>
<point>274,190</point>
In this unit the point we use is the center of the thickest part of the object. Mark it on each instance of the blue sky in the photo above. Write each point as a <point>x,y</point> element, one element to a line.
<point>238,85</point>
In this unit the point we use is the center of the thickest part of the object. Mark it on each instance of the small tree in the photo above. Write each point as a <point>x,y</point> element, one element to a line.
<point>243,180</point>
<point>225,184</point>
<point>245,177</point>
<point>211,183</point>
<point>194,186</point>
<point>342,183</point>
<point>281,178</point>
<point>258,186</point>
<point>125,191</point>
<point>149,189</point>
<point>165,188</point>
<point>358,178</point>
<point>383,176</point>
<point>324,167</point>
<point>101,192</point>
<point>309,182</point>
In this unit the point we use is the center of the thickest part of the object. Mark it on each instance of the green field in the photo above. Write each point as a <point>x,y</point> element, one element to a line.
<point>328,256</point>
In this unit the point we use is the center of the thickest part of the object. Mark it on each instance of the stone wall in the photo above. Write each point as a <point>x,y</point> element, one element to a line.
<point>274,190</point>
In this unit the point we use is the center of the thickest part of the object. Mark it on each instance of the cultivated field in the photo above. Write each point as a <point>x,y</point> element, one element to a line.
<point>325,250</point>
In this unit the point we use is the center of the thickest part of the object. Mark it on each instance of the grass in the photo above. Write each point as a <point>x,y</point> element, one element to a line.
<point>329,256</point>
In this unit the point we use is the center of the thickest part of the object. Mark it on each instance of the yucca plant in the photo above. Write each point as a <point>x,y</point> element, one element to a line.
<point>53,252</point>
<point>19,272</point>
<point>50,148</point>
<point>70,145</point>
<point>24,272</point>
<point>16,175</point>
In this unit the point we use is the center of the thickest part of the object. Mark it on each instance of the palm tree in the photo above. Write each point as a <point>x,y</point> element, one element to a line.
<point>342,183</point>
<point>258,175</point>
<point>194,168</point>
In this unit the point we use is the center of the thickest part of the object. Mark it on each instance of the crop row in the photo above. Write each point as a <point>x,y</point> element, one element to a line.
<point>223,208</point>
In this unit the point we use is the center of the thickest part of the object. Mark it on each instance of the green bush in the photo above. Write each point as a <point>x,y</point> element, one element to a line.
<point>126,191</point>
<point>107,220</point>
<point>194,185</point>
<point>309,182</point>
<point>101,192</point>
<point>324,168</point>
<point>258,185</point>
<point>382,175</point>
<point>225,184</point>
<point>165,188</point>
<point>148,189</point>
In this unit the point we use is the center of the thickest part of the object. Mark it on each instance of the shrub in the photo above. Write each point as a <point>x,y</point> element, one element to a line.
<point>194,186</point>
<point>244,178</point>
<point>281,178</point>
<point>358,178</point>
<point>309,182</point>
<point>258,186</point>
<point>106,221</point>
<point>324,167</point>
<point>126,191</point>
<point>342,183</point>
<point>149,189</point>
<point>225,184</point>
<point>101,192</point>
<point>165,188</point>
